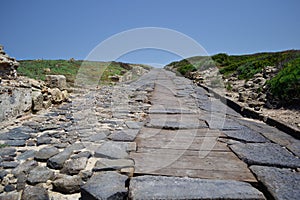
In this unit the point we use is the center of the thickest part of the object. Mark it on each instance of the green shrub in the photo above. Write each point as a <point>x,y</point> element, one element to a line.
<point>286,84</point>
<point>186,69</point>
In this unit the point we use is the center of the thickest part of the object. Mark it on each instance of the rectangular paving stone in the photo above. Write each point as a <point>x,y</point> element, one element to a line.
<point>160,187</point>
<point>267,154</point>
<point>104,164</point>
<point>170,111</point>
<point>246,134</point>
<point>126,135</point>
<point>281,183</point>
<point>115,150</point>
<point>176,121</point>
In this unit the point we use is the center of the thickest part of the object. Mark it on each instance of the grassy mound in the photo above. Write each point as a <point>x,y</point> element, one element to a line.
<point>38,69</point>
<point>285,86</point>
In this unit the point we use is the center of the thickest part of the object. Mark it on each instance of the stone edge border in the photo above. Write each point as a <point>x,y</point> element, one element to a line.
<point>253,114</point>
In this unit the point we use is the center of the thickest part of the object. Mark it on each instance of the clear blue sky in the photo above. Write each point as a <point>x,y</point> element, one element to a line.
<point>62,29</point>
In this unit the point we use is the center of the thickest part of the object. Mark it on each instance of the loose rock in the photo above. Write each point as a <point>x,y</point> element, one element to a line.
<point>45,153</point>
<point>57,161</point>
<point>35,193</point>
<point>67,184</point>
<point>74,166</point>
<point>106,185</point>
<point>40,175</point>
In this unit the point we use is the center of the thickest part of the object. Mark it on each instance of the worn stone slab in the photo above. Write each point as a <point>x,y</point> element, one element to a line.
<point>267,154</point>
<point>283,139</point>
<point>25,167</point>
<point>94,137</point>
<point>67,184</point>
<point>35,192</point>
<point>115,150</point>
<point>105,185</point>
<point>159,187</point>
<point>104,164</point>
<point>223,123</point>
<point>281,183</point>
<point>9,164</point>
<point>57,161</point>
<point>247,135</point>
<point>127,135</point>
<point>170,111</point>
<point>74,166</point>
<point>214,164</point>
<point>175,125</point>
<point>18,133</point>
<point>26,154</point>
<point>40,175</point>
<point>15,143</point>
<point>45,153</point>
<point>7,151</point>
<point>133,124</point>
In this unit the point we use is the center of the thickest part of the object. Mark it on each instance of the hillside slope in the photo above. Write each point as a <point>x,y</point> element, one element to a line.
<point>100,72</point>
<point>280,71</point>
<point>265,82</point>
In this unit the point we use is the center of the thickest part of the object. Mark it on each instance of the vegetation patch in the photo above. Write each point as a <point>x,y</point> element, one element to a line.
<point>89,71</point>
<point>286,84</point>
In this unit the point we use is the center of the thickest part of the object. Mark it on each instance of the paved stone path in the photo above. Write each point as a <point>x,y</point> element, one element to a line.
<point>159,137</point>
<point>176,142</point>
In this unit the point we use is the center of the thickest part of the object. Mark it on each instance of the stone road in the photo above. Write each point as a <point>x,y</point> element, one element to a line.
<point>160,137</point>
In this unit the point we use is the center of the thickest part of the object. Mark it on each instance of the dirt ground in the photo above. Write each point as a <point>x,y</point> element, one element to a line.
<point>288,116</point>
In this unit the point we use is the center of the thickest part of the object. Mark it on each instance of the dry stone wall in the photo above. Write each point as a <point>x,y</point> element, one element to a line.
<point>20,95</point>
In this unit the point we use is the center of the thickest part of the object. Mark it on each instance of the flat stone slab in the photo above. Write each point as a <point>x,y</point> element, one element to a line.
<point>104,164</point>
<point>134,125</point>
<point>94,137</point>
<point>127,135</point>
<point>40,175</point>
<point>115,150</point>
<point>160,187</point>
<point>175,125</point>
<point>281,183</point>
<point>45,153</point>
<point>57,161</point>
<point>247,135</point>
<point>105,185</point>
<point>267,154</point>
<point>74,166</point>
<point>170,111</point>
<point>221,122</point>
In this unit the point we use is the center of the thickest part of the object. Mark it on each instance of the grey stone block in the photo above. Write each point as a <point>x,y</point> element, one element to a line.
<point>281,183</point>
<point>57,161</point>
<point>40,175</point>
<point>115,150</point>
<point>247,135</point>
<point>159,187</point>
<point>104,164</point>
<point>106,185</point>
<point>45,153</point>
<point>32,192</point>
<point>128,135</point>
<point>267,154</point>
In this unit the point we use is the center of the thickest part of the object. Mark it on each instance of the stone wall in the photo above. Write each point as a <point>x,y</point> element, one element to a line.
<point>20,95</point>
<point>8,65</point>
<point>14,101</point>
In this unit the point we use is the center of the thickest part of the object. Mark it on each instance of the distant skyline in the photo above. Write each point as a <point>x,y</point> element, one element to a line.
<point>64,29</point>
